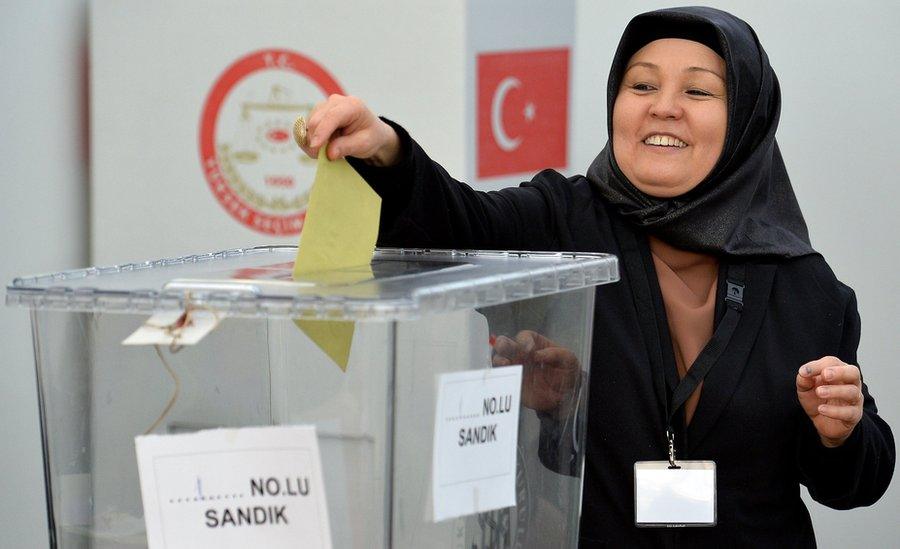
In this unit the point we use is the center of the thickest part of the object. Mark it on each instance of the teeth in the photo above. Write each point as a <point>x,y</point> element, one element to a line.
<point>665,141</point>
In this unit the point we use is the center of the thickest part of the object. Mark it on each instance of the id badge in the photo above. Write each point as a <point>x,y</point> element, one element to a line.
<point>667,497</point>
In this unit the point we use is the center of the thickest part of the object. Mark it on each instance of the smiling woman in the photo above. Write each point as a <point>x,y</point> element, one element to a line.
<point>720,290</point>
<point>670,116</point>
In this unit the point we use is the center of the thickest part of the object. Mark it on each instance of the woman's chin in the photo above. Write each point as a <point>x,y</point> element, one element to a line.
<point>664,188</point>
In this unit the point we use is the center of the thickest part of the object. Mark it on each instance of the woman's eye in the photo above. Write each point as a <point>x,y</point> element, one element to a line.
<point>699,92</point>
<point>641,87</point>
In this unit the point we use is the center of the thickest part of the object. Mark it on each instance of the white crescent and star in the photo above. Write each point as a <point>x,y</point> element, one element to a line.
<point>504,141</point>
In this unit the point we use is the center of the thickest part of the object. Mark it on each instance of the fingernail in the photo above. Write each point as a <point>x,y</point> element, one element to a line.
<point>807,370</point>
<point>821,408</point>
<point>829,374</point>
<point>823,391</point>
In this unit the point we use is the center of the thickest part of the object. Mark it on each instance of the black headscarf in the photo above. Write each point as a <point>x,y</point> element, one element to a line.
<point>745,206</point>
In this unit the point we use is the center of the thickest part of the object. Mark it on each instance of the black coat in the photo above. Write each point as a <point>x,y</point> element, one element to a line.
<point>748,419</point>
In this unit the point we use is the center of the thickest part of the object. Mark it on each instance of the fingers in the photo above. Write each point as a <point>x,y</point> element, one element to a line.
<point>804,384</point>
<point>532,348</point>
<point>831,369</point>
<point>842,374</point>
<point>505,347</point>
<point>558,368</point>
<point>355,144</point>
<point>336,116</point>
<point>320,112</point>
<point>557,357</point>
<point>527,341</point>
<point>828,370</point>
<point>848,414</point>
<point>830,393</point>
<point>850,394</point>
<point>815,367</point>
<point>535,339</point>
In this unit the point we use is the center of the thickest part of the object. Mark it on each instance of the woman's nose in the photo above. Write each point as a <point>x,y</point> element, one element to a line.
<point>666,105</point>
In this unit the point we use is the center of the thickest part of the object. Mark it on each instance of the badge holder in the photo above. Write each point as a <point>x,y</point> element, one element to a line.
<point>671,495</point>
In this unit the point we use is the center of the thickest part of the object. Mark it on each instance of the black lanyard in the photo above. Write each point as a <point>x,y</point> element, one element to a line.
<point>734,302</point>
<point>638,264</point>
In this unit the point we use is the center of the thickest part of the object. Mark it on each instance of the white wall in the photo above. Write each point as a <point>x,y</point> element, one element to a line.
<point>43,220</point>
<point>839,81</point>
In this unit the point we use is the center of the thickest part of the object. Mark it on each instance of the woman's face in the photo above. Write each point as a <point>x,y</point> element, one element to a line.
<point>670,115</point>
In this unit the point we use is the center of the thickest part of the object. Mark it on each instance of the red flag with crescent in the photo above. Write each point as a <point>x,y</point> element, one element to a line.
<point>523,111</point>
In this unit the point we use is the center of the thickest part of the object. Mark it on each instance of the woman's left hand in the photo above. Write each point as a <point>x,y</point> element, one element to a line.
<point>551,373</point>
<point>830,392</point>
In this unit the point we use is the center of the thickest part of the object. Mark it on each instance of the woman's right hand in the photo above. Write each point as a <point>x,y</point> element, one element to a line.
<point>351,129</point>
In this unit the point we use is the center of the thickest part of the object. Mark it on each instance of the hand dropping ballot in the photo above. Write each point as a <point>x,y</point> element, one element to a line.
<point>339,232</point>
<point>476,434</point>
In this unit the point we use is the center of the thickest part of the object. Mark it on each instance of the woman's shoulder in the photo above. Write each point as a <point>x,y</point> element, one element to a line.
<point>559,184</point>
<point>575,215</point>
<point>572,193</point>
<point>812,279</point>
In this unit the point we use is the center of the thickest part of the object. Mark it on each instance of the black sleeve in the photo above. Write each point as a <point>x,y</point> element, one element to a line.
<point>858,472</point>
<point>423,206</point>
<point>558,441</point>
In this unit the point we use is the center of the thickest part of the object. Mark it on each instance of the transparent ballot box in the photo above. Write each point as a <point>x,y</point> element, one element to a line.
<point>416,315</point>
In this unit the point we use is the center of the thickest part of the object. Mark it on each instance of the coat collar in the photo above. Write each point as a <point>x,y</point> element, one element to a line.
<point>724,377</point>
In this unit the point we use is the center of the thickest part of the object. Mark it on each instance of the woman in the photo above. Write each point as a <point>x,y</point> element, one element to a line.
<point>692,195</point>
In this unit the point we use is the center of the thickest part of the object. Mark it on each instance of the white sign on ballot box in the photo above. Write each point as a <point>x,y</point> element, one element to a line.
<point>476,434</point>
<point>259,486</point>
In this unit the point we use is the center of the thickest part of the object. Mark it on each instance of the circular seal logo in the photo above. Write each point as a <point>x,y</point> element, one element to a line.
<point>248,155</point>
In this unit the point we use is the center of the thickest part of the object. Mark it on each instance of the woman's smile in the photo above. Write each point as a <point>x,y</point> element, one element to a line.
<point>664,140</point>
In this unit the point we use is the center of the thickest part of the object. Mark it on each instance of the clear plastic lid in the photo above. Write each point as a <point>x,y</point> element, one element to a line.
<point>256,282</point>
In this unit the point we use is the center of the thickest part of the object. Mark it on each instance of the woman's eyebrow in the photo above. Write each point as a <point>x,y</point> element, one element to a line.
<point>641,64</point>
<point>655,67</point>
<point>704,69</point>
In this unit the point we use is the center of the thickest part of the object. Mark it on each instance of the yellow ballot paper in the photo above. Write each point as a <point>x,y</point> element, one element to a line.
<point>340,231</point>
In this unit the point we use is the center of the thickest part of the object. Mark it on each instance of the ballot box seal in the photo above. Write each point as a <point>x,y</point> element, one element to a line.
<point>247,154</point>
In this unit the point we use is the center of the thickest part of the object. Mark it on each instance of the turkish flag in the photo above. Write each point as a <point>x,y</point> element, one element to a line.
<point>523,111</point>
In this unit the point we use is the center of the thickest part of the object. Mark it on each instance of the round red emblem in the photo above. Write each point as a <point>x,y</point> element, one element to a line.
<point>253,167</point>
